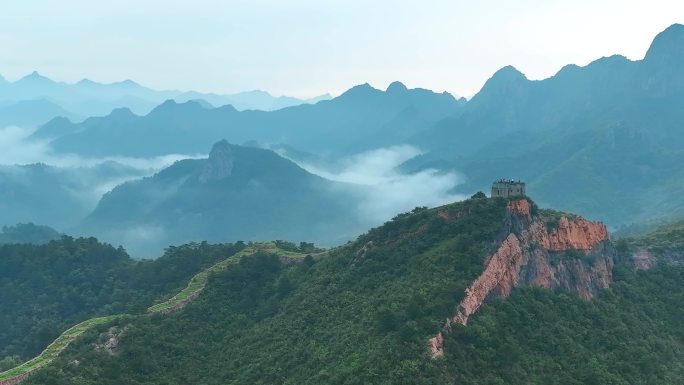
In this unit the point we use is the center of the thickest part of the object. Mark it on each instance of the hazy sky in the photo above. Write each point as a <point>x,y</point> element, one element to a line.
<point>308,47</point>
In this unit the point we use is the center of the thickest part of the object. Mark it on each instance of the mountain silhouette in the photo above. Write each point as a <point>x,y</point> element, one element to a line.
<point>335,126</point>
<point>610,130</point>
<point>237,193</point>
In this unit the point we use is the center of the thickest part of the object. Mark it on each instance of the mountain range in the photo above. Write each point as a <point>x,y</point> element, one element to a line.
<point>606,130</point>
<point>485,290</point>
<point>603,140</point>
<point>359,119</point>
<point>48,99</point>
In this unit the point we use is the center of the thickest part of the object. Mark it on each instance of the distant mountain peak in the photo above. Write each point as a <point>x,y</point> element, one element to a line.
<point>325,96</point>
<point>121,112</point>
<point>35,76</point>
<point>503,80</point>
<point>220,162</point>
<point>364,86</point>
<point>396,87</point>
<point>255,93</point>
<point>667,46</point>
<point>359,90</point>
<point>509,73</point>
<point>85,82</point>
<point>166,105</point>
<point>205,104</point>
<point>127,83</point>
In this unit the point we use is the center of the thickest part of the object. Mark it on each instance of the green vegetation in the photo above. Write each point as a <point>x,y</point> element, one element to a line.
<point>28,233</point>
<point>195,285</point>
<point>363,314</point>
<point>630,334</point>
<point>199,281</point>
<point>667,239</point>
<point>552,218</point>
<point>44,289</point>
<point>54,349</point>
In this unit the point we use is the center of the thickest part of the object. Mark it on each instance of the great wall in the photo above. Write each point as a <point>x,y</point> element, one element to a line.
<point>192,291</point>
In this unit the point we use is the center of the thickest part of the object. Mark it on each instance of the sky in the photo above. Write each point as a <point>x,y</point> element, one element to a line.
<point>305,48</point>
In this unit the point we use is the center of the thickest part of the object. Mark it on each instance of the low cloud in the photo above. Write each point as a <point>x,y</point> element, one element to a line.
<point>17,148</point>
<point>386,191</point>
<point>83,180</point>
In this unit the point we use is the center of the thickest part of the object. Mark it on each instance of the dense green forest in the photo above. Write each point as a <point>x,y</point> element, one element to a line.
<point>44,289</point>
<point>28,233</point>
<point>363,313</point>
<point>666,239</point>
<point>631,333</point>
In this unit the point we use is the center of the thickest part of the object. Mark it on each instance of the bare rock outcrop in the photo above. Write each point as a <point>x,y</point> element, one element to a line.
<point>109,343</point>
<point>220,163</point>
<point>576,233</point>
<point>643,259</point>
<point>576,256</point>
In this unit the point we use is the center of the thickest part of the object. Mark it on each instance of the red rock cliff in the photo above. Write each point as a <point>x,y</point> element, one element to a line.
<point>576,256</point>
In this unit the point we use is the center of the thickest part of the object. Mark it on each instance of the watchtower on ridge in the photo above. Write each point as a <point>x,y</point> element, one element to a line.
<point>508,188</point>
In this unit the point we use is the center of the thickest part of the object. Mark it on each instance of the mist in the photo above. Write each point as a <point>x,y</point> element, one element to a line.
<point>384,190</point>
<point>17,147</point>
<point>59,190</point>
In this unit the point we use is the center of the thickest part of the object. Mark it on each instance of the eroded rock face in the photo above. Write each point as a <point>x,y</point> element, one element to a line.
<point>109,343</point>
<point>520,207</point>
<point>576,256</point>
<point>501,275</point>
<point>576,233</point>
<point>220,163</point>
<point>437,345</point>
<point>643,259</point>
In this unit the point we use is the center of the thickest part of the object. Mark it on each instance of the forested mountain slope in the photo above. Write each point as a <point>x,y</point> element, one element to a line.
<point>366,312</point>
<point>237,193</point>
<point>46,288</point>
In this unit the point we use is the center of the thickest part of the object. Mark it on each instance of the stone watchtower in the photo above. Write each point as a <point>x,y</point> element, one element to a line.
<point>508,188</point>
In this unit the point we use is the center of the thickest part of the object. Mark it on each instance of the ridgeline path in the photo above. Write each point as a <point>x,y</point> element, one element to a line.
<point>189,293</point>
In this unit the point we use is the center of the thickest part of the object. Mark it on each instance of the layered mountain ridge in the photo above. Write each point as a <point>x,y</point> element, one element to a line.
<point>362,118</point>
<point>90,98</point>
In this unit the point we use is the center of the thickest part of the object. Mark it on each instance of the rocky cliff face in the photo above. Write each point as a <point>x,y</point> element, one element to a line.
<point>574,254</point>
<point>219,164</point>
